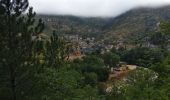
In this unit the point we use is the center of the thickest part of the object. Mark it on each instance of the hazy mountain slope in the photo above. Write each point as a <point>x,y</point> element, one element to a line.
<point>136,21</point>
<point>139,20</point>
<point>75,25</point>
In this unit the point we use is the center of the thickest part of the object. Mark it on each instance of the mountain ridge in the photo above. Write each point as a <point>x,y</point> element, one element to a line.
<point>138,20</point>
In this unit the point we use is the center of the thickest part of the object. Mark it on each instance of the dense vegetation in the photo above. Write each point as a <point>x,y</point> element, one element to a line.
<point>34,68</point>
<point>75,25</point>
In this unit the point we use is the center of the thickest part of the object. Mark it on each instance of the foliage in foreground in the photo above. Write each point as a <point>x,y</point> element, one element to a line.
<point>35,69</point>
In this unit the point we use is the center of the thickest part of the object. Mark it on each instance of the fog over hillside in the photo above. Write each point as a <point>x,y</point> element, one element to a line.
<point>92,8</point>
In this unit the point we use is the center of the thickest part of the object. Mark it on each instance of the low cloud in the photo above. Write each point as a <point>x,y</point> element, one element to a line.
<point>92,8</point>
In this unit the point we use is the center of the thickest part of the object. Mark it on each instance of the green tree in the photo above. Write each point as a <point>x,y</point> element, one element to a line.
<point>91,79</point>
<point>159,39</point>
<point>96,65</point>
<point>111,59</point>
<point>144,57</point>
<point>18,55</point>
<point>56,51</point>
<point>139,85</point>
<point>163,69</point>
<point>93,60</point>
<point>164,35</point>
<point>91,64</point>
<point>58,85</point>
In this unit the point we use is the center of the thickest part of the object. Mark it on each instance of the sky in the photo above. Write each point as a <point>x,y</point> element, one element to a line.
<point>92,8</point>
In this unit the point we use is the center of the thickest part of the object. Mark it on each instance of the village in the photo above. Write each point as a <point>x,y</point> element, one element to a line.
<point>89,45</point>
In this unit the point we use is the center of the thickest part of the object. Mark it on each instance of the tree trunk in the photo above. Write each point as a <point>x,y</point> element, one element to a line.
<point>13,85</point>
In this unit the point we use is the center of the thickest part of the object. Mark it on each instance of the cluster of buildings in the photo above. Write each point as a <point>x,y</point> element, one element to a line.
<point>88,45</point>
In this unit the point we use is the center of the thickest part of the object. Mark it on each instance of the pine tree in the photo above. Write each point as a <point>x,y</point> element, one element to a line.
<point>17,48</point>
<point>57,50</point>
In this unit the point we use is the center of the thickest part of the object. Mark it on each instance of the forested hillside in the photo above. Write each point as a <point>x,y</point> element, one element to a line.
<point>140,20</point>
<point>75,25</point>
<point>38,66</point>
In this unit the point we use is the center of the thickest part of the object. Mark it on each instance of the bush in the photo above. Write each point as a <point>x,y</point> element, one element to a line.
<point>111,59</point>
<point>143,56</point>
<point>92,64</point>
<point>91,79</point>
